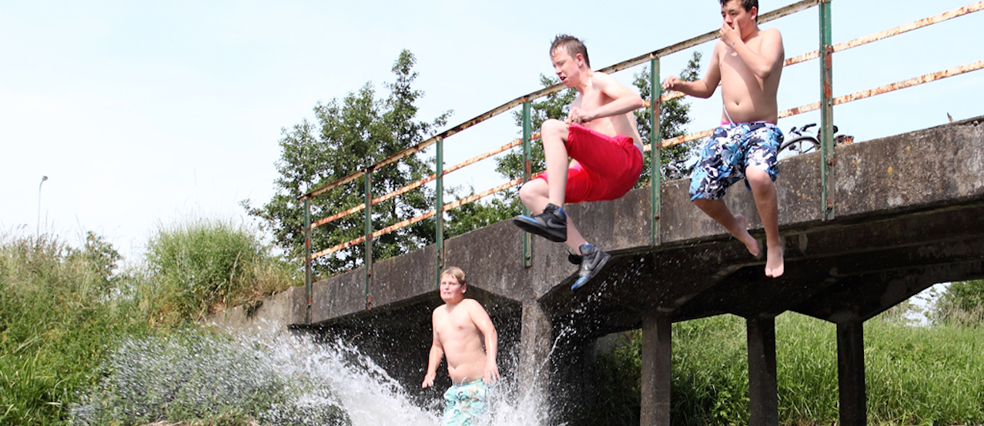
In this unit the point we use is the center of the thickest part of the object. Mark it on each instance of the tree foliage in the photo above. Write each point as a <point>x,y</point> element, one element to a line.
<point>962,302</point>
<point>348,135</point>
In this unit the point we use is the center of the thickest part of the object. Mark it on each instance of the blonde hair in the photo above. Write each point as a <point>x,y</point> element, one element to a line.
<point>455,272</point>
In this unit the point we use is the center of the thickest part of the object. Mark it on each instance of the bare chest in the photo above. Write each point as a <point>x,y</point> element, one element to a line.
<point>591,100</point>
<point>456,323</point>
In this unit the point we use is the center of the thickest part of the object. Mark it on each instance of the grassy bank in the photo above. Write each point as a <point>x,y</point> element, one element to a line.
<point>915,375</point>
<point>63,308</point>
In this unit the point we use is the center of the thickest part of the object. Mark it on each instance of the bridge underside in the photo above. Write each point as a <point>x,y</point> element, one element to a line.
<point>908,212</point>
<point>841,271</point>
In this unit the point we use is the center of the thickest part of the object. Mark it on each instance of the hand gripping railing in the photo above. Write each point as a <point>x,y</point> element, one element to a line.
<point>825,105</point>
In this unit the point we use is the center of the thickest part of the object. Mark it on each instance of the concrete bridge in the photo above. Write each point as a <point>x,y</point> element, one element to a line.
<point>909,212</point>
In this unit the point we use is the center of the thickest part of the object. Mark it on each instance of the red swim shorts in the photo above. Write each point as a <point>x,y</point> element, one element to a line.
<point>606,168</point>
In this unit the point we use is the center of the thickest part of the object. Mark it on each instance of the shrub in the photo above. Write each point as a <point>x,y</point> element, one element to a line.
<point>962,303</point>
<point>205,266</point>
<point>195,376</point>
<point>58,312</point>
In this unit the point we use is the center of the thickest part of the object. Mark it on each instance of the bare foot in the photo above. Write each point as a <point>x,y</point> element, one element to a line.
<point>774,265</point>
<point>742,235</point>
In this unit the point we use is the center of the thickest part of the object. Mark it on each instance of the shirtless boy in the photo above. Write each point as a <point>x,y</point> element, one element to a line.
<point>460,327</point>
<point>601,137</point>
<point>747,61</point>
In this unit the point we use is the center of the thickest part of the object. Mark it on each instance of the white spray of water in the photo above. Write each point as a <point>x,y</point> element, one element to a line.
<point>371,397</point>
<point>362,388</point>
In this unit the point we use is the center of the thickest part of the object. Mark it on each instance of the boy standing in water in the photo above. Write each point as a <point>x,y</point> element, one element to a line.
<point>747,62</point>
<point>601,137</point>
<point>460,327</point>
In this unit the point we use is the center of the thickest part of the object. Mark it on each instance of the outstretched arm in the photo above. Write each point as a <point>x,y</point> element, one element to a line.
<point>484,324</point>
<point>761,63</point>
<point>433,361</point>
<point>704,87</point>
<point>623,100</point>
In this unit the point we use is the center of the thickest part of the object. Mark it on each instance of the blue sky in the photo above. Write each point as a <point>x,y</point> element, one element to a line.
<point>149,113</point>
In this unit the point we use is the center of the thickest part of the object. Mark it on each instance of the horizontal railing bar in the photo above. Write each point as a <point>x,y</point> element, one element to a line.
<point>411,221</point>
<point>487,192</point>
<point>775,14</point>
<point>706,37</point>
<point>665,97</point>
<point>694,136</point>
<point>847,98</point>
<point>421,182</point>
<point>881,35</point>
<point>681,139</point>
<point>332,185</point>
<point>910,82</point>
<point>910,26</point>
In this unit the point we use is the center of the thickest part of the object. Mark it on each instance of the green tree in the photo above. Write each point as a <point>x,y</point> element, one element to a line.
<point>962,302</point>
<point>347,136</point>
<point>674,116</point>
<point>102,258</point>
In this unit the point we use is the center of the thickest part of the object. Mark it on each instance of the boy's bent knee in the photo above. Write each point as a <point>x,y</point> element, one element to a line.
<point>553,126</point>
<point>531,190</point>
<point>758,178</point>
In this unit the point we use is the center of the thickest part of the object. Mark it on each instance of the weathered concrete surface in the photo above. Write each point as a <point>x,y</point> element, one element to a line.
<point>908,214</point>
<point>272,316</point>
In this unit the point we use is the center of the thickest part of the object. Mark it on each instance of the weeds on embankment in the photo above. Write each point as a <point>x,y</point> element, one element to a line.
<point>63,308</point>
<point>915,375</point>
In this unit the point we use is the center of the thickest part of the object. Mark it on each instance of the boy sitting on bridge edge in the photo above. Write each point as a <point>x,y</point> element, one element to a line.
<point>601,137</point>
<point>461,326</point>
<point>747,62</point>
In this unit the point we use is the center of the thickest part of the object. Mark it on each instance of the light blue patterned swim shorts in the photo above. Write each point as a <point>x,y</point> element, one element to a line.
<point>729,151</point>
<point>465,403</point>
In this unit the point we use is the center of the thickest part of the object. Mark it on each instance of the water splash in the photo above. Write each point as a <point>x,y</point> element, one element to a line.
<point>146,374</point>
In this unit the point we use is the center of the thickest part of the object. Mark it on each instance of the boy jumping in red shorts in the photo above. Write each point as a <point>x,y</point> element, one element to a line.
<point>601,137</point>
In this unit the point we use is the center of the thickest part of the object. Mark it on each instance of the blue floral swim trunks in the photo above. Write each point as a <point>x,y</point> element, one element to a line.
<point>465,403</point>
<point>731,149</point>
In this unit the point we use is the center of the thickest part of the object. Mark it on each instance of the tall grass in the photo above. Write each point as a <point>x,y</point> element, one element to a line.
<point>63,308</point>
<point>204,266</point>
<point>57,316</point>
<point>915,375</point>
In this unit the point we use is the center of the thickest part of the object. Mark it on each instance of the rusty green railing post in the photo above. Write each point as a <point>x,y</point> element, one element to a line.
<point>368,257</point>
<point>307,260</point>
<point>527,166</point>
<point>655,178</point>
<point>439,209</point>
<point>827,160</point>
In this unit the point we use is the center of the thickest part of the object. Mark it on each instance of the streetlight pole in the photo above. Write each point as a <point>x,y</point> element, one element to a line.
<point>43,178</point>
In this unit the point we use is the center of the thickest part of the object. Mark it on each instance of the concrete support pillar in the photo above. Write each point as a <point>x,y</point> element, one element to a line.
<point>536,338</point>
<point>762,391</point>
<point>657,350</point>
<point>850,373</point>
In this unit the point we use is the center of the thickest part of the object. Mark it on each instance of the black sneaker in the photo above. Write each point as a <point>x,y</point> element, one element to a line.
<point>593,260</point>
<point>551,224</point>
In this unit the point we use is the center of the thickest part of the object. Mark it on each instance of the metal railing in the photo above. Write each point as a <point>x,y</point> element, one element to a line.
<point>825,105</point>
